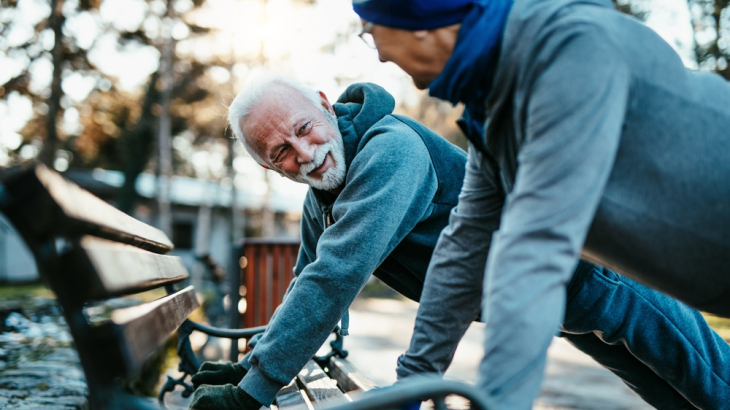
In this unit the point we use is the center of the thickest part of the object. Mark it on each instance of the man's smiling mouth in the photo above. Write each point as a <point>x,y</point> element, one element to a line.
<point>319,168</point>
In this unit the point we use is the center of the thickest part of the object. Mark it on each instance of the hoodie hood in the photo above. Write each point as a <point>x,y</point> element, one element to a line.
<point>358,109</point>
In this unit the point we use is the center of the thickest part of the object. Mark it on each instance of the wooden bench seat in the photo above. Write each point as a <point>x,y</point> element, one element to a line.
<point>319,388</point>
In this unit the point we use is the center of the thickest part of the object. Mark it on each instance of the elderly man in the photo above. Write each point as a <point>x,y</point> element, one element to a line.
<point>599,144</point>
<point>379,198</point>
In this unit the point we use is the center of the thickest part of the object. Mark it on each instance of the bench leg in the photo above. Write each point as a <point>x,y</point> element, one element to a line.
<point>189,364</point>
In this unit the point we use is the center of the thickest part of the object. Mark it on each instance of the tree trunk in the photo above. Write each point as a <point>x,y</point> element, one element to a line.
<point>55,22</point>
<point>164,163</point>
<point>138,147</point>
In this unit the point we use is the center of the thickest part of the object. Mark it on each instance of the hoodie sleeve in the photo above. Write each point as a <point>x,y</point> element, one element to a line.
<point>453,288</point>
<point>389,188</point>
<point>573,125</point>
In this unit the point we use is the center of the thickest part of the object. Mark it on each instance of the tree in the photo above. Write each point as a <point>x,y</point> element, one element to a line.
<point>711,23</point>
<point>62,52</point>
<point>711,27</point>
<point>116,125</point>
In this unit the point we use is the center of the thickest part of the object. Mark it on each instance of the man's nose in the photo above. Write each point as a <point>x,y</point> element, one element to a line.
<point>305,151</point>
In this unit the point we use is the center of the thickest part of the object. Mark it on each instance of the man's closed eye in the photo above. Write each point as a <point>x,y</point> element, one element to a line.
<point>304,128</point>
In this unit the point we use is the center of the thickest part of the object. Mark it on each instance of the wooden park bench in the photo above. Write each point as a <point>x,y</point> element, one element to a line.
<point>88,251</point>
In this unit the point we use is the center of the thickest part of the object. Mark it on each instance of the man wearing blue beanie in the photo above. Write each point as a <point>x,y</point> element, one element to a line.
<point>588,139</point>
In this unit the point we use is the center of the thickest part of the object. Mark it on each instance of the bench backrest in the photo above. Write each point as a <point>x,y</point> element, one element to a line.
<point>86,250</point>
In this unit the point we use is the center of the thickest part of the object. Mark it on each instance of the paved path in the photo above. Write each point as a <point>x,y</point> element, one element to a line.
<point>380,331</point>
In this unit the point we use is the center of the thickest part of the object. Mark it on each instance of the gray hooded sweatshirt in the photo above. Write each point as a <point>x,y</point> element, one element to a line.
<point>402,181</point>
<point>607,148</point>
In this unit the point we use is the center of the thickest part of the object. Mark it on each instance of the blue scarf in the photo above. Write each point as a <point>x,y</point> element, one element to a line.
<point>467,76</point>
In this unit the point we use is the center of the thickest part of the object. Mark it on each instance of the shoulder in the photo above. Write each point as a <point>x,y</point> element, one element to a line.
<point>389,151</point>
<point>537,29</point>
<point>391,135</point>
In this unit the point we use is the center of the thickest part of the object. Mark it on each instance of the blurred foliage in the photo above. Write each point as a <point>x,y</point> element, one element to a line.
<point>711,27</point>
<point>118,126</point>
<point>711,24</point>
<point>636,8</point>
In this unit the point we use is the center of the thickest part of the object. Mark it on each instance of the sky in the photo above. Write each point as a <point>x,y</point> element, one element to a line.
<point>316,44</point>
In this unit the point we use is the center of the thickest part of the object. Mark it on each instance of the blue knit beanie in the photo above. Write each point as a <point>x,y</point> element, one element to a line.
<point>413,14</point>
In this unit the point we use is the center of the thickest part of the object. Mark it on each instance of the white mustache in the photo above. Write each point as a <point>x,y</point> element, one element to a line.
<point>319,156</point>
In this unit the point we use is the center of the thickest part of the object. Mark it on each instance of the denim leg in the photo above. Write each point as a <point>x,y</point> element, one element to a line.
<point>669,338</point>
<point>636,375</point>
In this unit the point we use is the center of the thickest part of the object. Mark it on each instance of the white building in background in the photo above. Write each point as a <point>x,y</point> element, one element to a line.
<point>201,218</point>
<point>16,261</point>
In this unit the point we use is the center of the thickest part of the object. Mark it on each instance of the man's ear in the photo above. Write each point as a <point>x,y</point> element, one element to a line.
<point>326,103</point>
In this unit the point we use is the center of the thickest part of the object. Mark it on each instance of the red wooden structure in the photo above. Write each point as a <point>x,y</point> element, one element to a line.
<point>266,269</point>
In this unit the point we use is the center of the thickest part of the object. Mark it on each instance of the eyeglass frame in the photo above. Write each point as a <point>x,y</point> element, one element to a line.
<point>366,30</point>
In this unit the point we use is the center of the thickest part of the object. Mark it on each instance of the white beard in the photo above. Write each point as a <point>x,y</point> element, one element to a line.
<point>333,177</point>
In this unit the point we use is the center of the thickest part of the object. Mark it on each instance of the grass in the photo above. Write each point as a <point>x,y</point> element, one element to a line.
<point>16,291</point>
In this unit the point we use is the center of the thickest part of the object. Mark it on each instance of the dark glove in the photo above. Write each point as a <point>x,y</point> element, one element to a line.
<point>218,374</point>
<point>227,397</point>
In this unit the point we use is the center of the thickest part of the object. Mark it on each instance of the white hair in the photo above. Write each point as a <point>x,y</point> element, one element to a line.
<point>252,95</point>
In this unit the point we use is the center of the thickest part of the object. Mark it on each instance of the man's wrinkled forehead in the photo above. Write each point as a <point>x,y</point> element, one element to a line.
<point>279,104</point>
<point>281,97</point>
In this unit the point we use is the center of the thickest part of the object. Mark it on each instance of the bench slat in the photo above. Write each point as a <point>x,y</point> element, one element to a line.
<point>146,327</point>
<point>322,390</point>
<point>123,269</point>
<point>291,398</point>
<point>348,377</point>
<point>52,205</point>
<point>95,269</point>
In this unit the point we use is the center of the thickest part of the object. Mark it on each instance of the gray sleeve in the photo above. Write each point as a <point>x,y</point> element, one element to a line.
<point>452,291</point>
<point>575,110</point>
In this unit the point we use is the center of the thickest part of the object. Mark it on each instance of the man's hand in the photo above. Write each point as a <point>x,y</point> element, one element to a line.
<point>227,397</point>
<point>218,374</point>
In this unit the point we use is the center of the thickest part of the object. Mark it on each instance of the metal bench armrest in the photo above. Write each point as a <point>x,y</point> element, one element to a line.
<point>224,333</point>
<point>417,389</point>
<point>189,364</point>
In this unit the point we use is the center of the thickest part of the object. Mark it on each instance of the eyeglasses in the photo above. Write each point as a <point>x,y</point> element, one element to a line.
<point>366,37</point>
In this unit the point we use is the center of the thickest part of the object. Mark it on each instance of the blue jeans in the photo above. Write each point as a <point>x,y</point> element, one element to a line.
<point>660,348</point>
